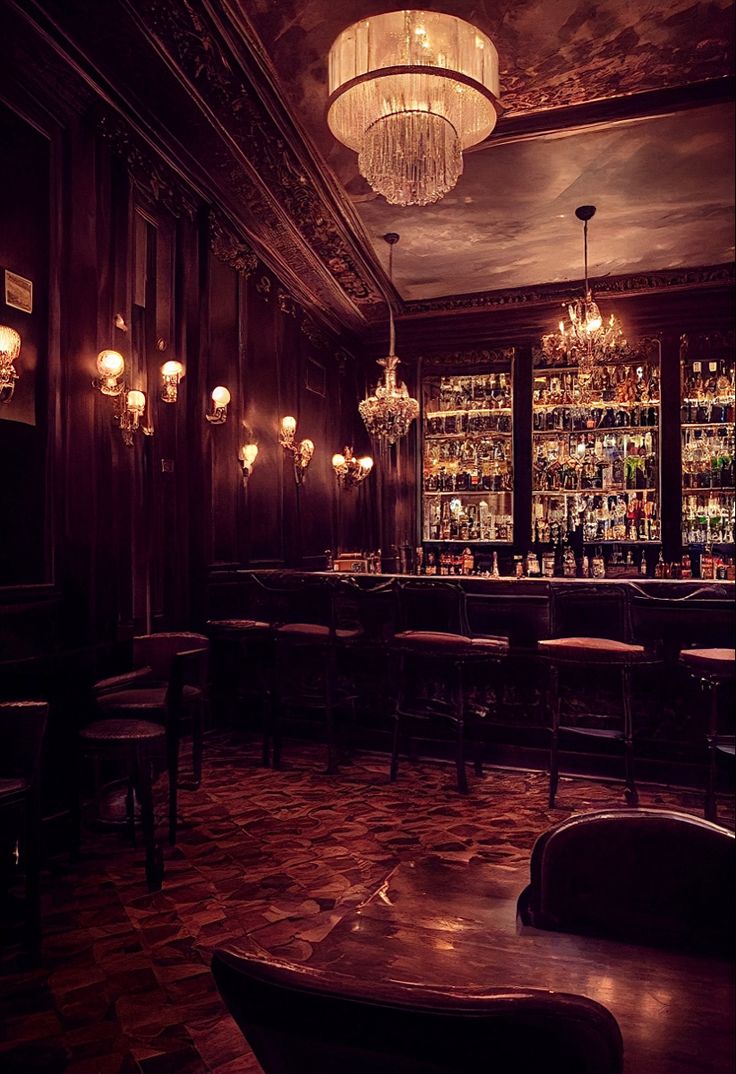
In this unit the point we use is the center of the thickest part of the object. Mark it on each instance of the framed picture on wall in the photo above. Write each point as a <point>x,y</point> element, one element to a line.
<point>315,377</point>
<point>18,292</point>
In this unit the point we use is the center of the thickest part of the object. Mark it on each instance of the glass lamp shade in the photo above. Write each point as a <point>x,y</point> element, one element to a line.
<point>249,453</point>
<point>338,461</point>
<point>110,368</point>
<point>9,343</point>
<point>136,402</point>
<point>220,396</point>
<point>366,463</point>
<point>288,425</point>
<point>172,369</point>
<point>409,90</point>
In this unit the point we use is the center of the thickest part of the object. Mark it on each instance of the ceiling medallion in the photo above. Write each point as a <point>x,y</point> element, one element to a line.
<point>586,341</point>
<point>409,90</point>
<point>389,412</point>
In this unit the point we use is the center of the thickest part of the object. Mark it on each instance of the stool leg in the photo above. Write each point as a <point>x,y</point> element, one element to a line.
<point>33,871</point>
<point>130,812</point>
<point>197,742</point>
<point>154,856</point>
<point>462,779</point>
<point>711,806</point>
<point>172,759</point>
<point>632,795</point>
<point>75,809</point>
<point>394,769</point>
<point>329,672</point>
<point>553,706</point>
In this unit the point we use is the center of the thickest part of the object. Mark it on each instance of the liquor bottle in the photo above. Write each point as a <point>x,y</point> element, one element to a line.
<point>598,564</point>
<point>494,568</point>
<point>431,564</point>
<point>518,567</point>
<point>643,571</point>
<point>569,566</point>
<point>659,567</point>
<point>468,562</point>
<point>686,570</point>
<point>586,567</point>
<point>706,563</point>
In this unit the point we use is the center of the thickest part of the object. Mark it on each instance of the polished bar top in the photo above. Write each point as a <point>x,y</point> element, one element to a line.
<point>454,924</point>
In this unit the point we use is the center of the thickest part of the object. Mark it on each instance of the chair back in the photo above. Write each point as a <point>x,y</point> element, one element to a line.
<point>368,606</point>
<point>588,611</point>
<point>693,620</point>
<point>642,875</point>
<point>187,669</point>
<point>157,651</point>
<point>290,599</point>
<point>22,730</point>
<point>300,1020</point>
<point>431,605</point>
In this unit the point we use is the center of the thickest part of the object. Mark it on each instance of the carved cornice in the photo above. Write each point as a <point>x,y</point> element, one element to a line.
<point>604,287</point>
<point>156,183</point>
<point>185,31</point>
<point>466,358</point>
<point>228,246</point>
<point>314,333</point>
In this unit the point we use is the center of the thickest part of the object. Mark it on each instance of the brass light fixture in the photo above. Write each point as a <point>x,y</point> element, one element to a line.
<point>130,410</point>
<point>409,90</point>
<point>301,453</point>
<point>389,412</point>
<point>110,369</point>
<point>171,373</point>
<point>220,401</point>
<point>350,471</point>
<point>9,351</point>
<point>586,340</point>
<point>247,456</point>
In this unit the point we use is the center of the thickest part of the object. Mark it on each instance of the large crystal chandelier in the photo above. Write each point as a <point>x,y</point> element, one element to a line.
<point>586,341</point>
<point>389,412</point>
<point>409,90</point>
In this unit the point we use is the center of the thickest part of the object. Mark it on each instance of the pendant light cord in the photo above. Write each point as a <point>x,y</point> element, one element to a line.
<point>585,246</point>
<point>391,329</point>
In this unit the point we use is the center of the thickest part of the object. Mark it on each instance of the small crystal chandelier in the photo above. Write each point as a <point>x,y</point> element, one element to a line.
<point>409,90</point>
<point>587,340</point>
<point>389,412</point>
<point>350,471</point>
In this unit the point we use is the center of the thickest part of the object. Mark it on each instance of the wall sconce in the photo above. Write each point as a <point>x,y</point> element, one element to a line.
<point>350,471</point>
<point>171,373</point>
<point>220,399</point>
<point>9,351</point>
<point>301,453</point>
<point>131,408</point>
<point>247,456</point>
<point>110,366</point>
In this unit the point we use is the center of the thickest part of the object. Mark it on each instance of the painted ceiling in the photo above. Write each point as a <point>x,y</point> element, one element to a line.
<point>663,186</point>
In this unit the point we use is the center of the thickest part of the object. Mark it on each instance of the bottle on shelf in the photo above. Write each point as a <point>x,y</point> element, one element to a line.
<point>494,568</point>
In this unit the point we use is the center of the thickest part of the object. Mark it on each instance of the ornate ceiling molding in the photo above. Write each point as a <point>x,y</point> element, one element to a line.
<point>188,35</point>
<point>156,183</point>
<point>486,357</point>
<point>606,286</point>
<point>228,246</point>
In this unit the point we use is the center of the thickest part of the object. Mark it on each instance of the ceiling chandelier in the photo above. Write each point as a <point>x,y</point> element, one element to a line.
<point>586,341</point>
<point>409,90</point>
<point>388,413</point>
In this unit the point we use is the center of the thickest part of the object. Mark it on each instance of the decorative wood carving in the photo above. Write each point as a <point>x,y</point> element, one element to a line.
<point>157,183</point>
<point>607,286</point>
<point>460,359</point>
<point>314,333</point>
<point>186,32</point>
<point>230,247</point>
<point>286,302</point>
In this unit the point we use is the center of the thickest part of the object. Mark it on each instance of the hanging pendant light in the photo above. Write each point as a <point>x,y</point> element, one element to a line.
<point>409,90</point>
<point>586,340</point>
<point>389,412</point>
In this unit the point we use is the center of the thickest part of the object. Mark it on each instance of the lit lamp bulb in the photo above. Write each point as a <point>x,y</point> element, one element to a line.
<point>9,351</point>
<point>247,455</point>
<point>136,403</point>
<point>366,464</point>
<point>288,428</point>
<point>220,400</point>
<point>110,366</point>
<point>338,461</point>
<point>171,373</point>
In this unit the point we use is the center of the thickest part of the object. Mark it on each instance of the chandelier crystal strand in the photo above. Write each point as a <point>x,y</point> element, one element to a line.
<point>389,412</point>
<point>409,90</point>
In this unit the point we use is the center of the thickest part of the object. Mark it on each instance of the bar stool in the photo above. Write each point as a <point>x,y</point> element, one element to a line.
<point>136,747</point>
<point>241,652</point>
<point>713,669</point>
<point>22,731</point>
<point>181,661</point>
<point>305,662</point>
<point>599,609</point>
<point>364,617</point>
<point>434,640</point>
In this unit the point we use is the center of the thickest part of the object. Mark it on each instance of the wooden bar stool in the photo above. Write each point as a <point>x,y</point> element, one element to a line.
<point>135,747</point>
<point>597,609</point>
<point>434,641</point>
<point>713,669</point>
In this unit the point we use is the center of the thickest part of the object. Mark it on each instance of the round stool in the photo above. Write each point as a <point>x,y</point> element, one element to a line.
<point>134,745</point>
<point>713,668</point>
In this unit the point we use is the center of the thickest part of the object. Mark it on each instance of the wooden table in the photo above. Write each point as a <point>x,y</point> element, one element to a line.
<point>443,923</point>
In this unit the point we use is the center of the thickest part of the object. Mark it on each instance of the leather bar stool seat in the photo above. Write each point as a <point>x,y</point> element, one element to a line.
<point>150,699</point>
<point>135,746</point>
<point>606,650</point>
<point>714,669</point>
<point>429,641</point>
<point>318,631</point>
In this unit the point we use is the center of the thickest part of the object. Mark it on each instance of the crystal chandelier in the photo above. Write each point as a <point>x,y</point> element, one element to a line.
<point>409,90</point>
<point>389,412</point>
<point>586,340</point>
